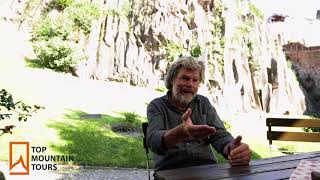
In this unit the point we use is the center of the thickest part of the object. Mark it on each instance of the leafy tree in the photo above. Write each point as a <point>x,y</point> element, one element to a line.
<point>195,51</point>
<point>173,50</point>
<point>9,106</point>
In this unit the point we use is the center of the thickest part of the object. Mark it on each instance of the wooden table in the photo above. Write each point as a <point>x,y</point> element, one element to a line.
<point>263,169</point>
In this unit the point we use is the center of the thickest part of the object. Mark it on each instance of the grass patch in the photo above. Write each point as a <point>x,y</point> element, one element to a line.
<point>161,89</point>
<point>92,142</point>
<point>287,149</point>
<point>34,63</point>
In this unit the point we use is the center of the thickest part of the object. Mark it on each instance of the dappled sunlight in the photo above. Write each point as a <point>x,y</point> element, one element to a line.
<point>92,141</point>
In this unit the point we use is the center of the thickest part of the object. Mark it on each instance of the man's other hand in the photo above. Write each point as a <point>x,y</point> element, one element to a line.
<point>240,153</point>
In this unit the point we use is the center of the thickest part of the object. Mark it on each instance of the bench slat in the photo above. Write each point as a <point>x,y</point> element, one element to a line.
<point>293,136</point>
<point>286,122</point>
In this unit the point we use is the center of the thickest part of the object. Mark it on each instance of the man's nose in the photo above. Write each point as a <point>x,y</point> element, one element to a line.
<point>190,83</point>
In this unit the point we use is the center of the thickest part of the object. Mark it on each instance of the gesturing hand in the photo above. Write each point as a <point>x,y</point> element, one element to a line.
<point>240,153</point>
<point>195,131</point>
<point>186,130</point>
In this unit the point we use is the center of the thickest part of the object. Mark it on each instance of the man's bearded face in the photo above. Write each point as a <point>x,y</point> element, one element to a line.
<point>185,86</point>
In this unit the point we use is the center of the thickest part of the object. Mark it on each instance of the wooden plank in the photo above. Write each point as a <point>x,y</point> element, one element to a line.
<point>279,174</point>
<point>291,122</point>
<point>257,169</point>
<point>293,136</point>
<point>211,173</point>
<point>309,155</point>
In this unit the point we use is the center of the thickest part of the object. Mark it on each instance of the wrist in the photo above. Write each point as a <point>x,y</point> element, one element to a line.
<point>227,149</point>
<point>173,136</point>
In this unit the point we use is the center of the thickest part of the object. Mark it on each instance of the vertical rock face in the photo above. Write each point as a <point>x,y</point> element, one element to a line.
<point>135,41</point>
<point>307,63</point>
<point>256,73</point>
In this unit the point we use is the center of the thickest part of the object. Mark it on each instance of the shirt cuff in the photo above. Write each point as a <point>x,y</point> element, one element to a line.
<point>226,150</point>
<point>158,146</point>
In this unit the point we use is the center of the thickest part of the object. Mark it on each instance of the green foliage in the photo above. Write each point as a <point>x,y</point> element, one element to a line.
<point>46,28</point>
<point>161,89</point>
<point>130,122</point>
<point>57,54</point>
<point>245,28</point>
<point>59,4</point>
<point>124,127</point>
<point>248,23</point>
<point>218,35</point>
<point>9,106</point>
<point>289,64</point>
<point>195,51</point>
<point>255,11</point>
<point>124,11</point>
<point>52,36</point>
<point>94,143</point>
<point>313,116</point>
<point>253,63</point>
<point>82,14</point>
<point>130,117</point>
<point>2,177</point>
<point>227,125</point>
<point>287,149</point>
<point>173,50</point>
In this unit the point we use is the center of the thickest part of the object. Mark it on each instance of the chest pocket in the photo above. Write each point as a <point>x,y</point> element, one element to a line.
<point>174,121</point>
<point>199,119</point>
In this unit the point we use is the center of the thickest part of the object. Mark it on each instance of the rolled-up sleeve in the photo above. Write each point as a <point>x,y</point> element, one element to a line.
<point>155,130</point>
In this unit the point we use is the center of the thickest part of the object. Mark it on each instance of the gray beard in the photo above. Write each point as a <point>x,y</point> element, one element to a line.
<point>181,98</point>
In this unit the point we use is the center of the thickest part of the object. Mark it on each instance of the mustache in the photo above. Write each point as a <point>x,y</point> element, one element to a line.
<point>182,97</point>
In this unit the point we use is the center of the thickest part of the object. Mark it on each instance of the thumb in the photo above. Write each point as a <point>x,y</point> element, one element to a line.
<point>187,114</point>
<point>237,141</point>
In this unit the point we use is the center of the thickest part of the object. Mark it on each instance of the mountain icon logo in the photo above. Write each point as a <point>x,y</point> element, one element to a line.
<point>19,158</point>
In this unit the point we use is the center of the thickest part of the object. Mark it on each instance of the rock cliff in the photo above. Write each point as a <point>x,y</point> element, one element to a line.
<point>135,41</point>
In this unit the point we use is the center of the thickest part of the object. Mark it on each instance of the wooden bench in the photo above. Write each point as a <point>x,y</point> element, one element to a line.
<point>292,136</point>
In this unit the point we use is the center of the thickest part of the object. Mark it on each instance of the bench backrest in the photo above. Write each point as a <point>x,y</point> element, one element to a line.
<point>293,136</point>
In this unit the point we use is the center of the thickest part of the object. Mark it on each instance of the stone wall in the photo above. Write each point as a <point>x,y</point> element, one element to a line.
<point>306,63</point>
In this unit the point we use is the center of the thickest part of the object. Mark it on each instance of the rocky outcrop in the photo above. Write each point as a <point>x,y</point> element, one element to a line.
<point>302,47</point>
<point>257,76</point>
<point>307,64</point>
<point>246,67</point>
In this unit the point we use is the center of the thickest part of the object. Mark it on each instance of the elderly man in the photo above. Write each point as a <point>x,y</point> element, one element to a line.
<point>183,124</point>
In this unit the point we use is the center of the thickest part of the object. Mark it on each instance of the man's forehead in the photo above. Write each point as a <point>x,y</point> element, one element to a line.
<point>188,71</point>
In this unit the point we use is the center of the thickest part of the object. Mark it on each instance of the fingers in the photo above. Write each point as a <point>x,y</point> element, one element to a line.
<point>200,131</point>
<point>187,114</point>
<point>195,131</point>
<point>239,149</point>
<point>240,155</point>
<point>237,140</point>
<point>238,162</point>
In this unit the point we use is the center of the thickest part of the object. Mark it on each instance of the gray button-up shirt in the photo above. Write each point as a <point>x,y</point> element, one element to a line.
<point>163,116</point>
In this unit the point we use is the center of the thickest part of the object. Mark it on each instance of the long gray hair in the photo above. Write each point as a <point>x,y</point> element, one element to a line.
<point>187,62</point>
